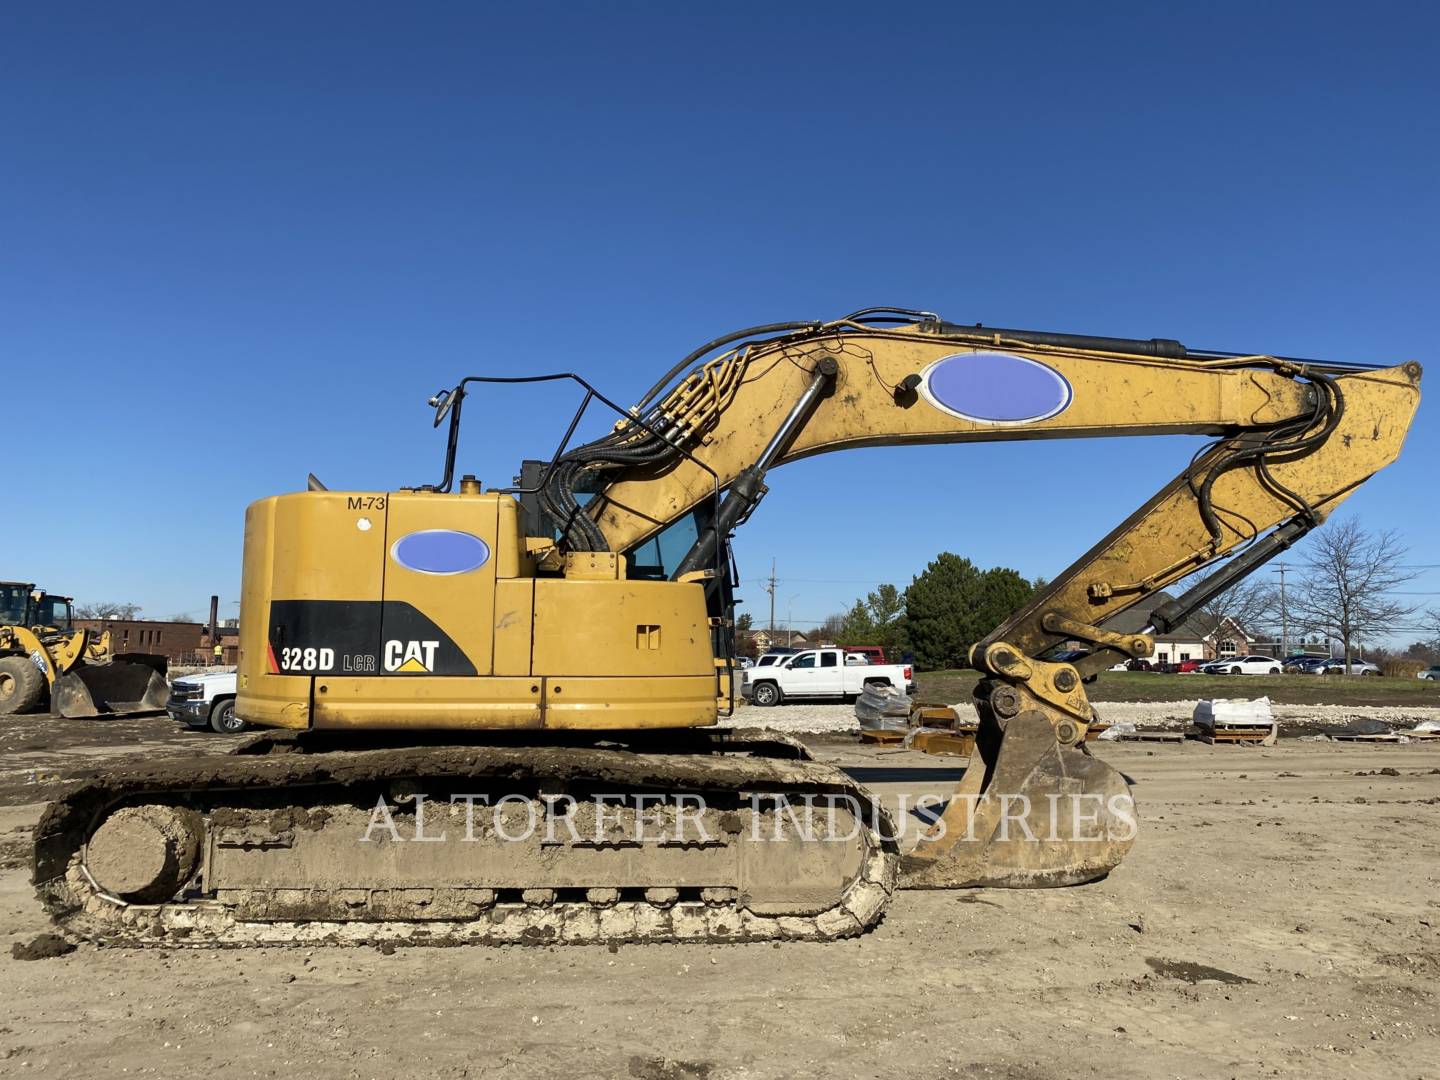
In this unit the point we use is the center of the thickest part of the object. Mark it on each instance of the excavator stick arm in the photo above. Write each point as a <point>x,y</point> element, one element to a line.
<point>1247,493</point>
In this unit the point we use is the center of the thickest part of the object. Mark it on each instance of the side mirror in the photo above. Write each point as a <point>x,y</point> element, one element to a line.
<point>441,402</point>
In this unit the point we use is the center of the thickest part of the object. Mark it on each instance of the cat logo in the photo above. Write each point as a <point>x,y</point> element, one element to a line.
<point>410,656</point>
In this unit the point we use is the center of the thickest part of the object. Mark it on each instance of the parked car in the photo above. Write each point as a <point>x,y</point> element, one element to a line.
<point>875,654</point>
<point>1337,667</point>
<point>744,662</point>
<point>1139,664</point>
<point>1178,667</point>
<point>774,656</point>
<point>1431,673</point>
<point>1243,665</point>
<point>820,673</point>
<point>206,701</point>
<point>1304,665</point>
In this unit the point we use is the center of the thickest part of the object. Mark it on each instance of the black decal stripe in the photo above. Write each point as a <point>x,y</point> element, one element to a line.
<point>358,629</point>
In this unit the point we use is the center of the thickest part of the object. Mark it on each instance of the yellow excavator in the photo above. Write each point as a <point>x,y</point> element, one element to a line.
<point>46,660</point>
<point>499,708</point>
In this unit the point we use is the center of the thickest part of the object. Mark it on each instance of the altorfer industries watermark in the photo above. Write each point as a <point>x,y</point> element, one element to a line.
<point>687,819</point>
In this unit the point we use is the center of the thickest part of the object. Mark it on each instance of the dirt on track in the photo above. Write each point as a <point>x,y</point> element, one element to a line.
<point>1277,917</point>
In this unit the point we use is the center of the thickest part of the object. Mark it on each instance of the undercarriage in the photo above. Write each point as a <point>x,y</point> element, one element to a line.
<point>295,843</point>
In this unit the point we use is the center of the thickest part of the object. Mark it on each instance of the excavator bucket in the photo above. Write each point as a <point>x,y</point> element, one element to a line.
<point>119,687</point>
<point>1029,813</point>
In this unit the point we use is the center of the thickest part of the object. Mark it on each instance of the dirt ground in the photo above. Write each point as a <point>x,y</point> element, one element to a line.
<point>1277,917</point>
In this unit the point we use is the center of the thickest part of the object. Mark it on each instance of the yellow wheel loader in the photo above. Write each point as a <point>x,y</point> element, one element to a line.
<point>46,661</point>
<point>498,709</point>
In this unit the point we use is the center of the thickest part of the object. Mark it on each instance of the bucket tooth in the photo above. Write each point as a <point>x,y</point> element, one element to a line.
<point>1030,812</point>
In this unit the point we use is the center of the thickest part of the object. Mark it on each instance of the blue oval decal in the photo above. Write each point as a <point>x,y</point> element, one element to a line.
<point>995,388</point>
<point>440,551</point>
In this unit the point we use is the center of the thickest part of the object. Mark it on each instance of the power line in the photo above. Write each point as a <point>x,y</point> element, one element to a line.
<point>771,590</point>
<point>1280,568</point>
<point>822,581</point>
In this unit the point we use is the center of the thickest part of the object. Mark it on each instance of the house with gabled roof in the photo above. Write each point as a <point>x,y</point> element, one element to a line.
<point>1200,637</point>
<point>765,639</point>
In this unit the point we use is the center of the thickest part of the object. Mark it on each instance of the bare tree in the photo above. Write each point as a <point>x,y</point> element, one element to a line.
<point>833,628</point>
<point>1346,582</point>
<point>1253,605</point>
<point>1432,630</point>
<point>107,609</point>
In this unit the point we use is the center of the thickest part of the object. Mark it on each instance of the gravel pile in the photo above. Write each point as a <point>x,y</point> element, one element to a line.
<point>816,718</point>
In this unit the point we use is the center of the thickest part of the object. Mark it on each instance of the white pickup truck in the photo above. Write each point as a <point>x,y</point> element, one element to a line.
<point>819,673</point>
<point>206,700</point>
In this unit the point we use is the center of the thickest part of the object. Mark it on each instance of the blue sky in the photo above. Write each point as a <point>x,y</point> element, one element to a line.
<point>242,243</point>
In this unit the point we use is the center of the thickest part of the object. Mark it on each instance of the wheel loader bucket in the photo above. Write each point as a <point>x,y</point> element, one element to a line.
<point>119,687</point>
<point>1029,813</point>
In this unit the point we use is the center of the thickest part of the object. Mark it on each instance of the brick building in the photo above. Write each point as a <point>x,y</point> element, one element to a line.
<point>176,640</point>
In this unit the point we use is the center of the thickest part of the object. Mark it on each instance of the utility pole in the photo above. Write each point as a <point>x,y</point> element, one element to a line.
<point>1280,569</point>
<point>770,588</point>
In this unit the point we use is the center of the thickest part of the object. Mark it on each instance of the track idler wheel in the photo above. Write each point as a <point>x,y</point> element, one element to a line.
<point>1031,812</point>
<point>144,854</point>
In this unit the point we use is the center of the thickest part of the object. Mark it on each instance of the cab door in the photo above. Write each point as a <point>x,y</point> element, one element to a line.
<point>830,675</point>
<point>802,676</point>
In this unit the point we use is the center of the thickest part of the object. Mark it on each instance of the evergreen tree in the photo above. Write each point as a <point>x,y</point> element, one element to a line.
<point>954,604</point>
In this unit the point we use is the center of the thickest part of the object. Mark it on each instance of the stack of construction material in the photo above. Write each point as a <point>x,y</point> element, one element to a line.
<point>883,709</point>
<point>1235,720</point>
<point>892,718</point>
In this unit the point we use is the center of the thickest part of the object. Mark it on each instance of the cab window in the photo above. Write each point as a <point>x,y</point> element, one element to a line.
<point>13,601</point>
<point>804,660</point>
<point>827,660</point>
<point>659,557</point>
<point>55,613</point>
